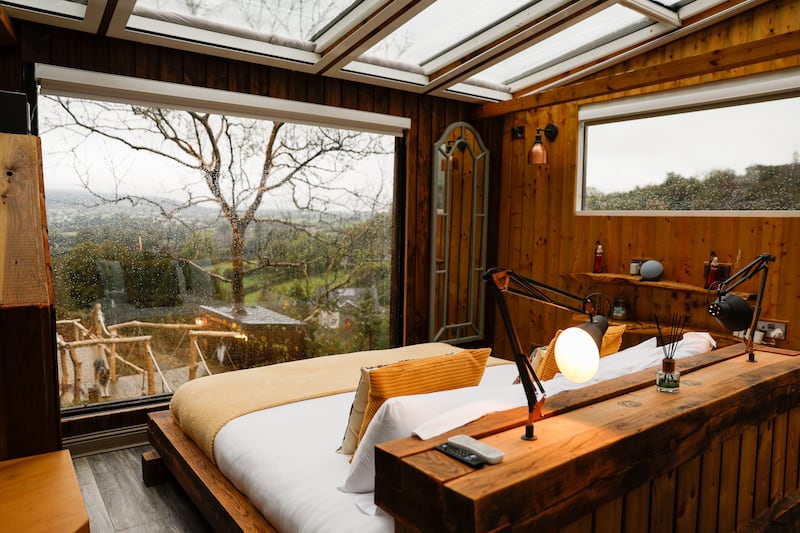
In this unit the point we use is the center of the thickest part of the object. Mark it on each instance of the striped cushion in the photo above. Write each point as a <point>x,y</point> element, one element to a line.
<point>420,376</point>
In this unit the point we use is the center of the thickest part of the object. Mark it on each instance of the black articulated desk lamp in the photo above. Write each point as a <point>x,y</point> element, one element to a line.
<point>576,349</point>
<point>731,310</point>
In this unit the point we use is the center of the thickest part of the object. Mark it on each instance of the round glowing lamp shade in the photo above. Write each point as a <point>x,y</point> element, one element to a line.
<point>577,355</point>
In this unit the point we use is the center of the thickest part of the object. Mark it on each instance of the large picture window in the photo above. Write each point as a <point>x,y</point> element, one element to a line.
<point>187,243</point>
<point>731,146</point>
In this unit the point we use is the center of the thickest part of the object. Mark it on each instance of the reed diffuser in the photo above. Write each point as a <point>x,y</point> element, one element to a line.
<point>668,379</point>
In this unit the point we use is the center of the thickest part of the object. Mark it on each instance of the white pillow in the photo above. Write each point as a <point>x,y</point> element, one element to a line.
<point>350,440</point>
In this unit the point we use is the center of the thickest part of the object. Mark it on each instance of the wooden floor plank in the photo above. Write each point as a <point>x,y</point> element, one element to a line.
<point>99,521</point>
<point>117,499</point>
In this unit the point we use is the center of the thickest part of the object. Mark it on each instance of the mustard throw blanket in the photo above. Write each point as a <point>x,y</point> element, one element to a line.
<point>203,406</point>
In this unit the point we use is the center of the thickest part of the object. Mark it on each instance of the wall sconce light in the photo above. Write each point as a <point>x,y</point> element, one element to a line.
<point>537,154</point>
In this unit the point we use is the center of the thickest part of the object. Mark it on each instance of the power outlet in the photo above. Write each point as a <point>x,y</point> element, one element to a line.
<point>770,327</point>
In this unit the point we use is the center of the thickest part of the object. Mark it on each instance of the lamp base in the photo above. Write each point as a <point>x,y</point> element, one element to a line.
<point>528,433</point>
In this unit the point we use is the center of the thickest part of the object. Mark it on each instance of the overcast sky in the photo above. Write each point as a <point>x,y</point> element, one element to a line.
<point>67,158</point>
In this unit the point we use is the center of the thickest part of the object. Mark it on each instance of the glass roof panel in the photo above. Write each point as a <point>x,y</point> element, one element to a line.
<point>441,26</point>
<point>603,27</point>
<point>295,19</point>
<point>67,8</point>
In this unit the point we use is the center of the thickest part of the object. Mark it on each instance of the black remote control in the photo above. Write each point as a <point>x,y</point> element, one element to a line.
<point>462,455</point>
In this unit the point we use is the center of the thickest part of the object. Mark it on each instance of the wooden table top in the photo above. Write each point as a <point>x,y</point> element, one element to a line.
<point>592,444</point>
<point>41,493</point>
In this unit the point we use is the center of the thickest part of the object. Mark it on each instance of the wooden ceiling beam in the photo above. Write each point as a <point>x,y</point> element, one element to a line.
<point>769,48</point>
<point>8,37</point>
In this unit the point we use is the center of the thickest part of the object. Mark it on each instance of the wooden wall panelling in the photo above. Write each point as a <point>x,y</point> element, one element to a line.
<point>398,292</point>
<point>763,464</point>
<point>513,199</point>
<point>708,490</point>
<point>535,259</point>
<point>747,476</point>
<point>147,61</point>
<point>380,100</point>
<point>792,478</point>
<point>11,73</point>
<point>171,66</point>
<point>416,236</point>
<point>608,517</point>
<point>729,475</point>
<point>777,482</point>
<point>681,243</point>
<point>637,509</point>
<point>407,269</point>
<point>688,485</point>
<point>217,74</point>
<point>662,503</point>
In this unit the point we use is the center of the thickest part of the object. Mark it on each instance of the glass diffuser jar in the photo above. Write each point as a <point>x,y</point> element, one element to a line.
<point>668,379</point>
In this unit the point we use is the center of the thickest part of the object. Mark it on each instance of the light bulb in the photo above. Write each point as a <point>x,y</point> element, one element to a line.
<point>577,355</point>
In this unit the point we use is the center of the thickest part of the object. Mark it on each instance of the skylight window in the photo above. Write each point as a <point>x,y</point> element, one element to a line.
<point>442,26</point>
<point>599,29</point>
<point>296,20</point>
<point>84,15</point>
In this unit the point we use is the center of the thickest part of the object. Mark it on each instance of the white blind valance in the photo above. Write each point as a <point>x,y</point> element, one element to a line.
<point>62,81</point>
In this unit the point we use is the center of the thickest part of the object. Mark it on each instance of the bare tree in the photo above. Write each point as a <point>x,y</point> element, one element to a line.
<point>233,163</point>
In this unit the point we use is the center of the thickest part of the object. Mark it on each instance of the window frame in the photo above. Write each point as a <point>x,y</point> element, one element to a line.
<point>81,425</point>
<point>751,89</point>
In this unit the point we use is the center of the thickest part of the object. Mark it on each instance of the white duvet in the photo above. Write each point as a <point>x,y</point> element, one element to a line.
<point>284,458</point>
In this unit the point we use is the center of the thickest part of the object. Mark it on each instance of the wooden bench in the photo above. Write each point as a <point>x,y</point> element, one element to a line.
<point>41,493</point>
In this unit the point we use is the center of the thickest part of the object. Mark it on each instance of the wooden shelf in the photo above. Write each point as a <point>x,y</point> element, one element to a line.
<point>628,279</point>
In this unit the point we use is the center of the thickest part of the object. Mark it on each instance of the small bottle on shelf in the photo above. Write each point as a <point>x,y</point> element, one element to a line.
<point>619,312</point>
<point>598,258</point>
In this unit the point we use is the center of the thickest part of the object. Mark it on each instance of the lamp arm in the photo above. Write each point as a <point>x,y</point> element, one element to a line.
<point>523,363</point>
<point>505,281</point>
<point>760,263</point>
<point>759,298</point>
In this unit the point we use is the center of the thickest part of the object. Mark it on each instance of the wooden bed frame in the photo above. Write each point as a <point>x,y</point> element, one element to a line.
<point>226,509</point>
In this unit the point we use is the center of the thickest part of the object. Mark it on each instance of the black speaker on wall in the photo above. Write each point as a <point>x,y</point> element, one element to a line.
<point>14,113</point>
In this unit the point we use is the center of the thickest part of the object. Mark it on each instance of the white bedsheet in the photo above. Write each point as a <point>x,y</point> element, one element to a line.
<point>285,459</point>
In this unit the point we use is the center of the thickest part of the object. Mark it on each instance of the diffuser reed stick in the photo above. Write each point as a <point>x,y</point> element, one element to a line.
<point>669,342</point>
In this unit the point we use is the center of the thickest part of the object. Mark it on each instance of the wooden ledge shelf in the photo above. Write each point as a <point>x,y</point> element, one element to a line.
<point>639,327</point>
<point>628,279</point>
